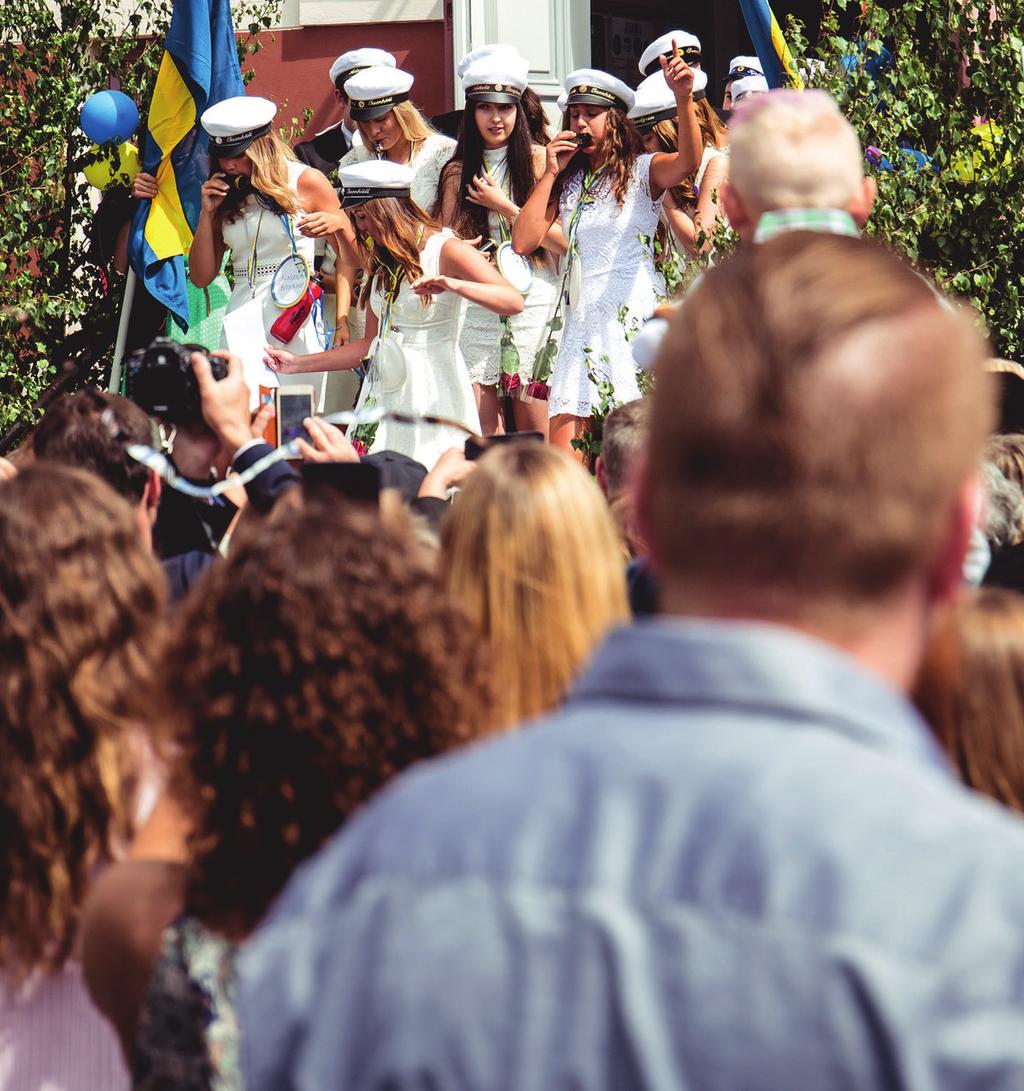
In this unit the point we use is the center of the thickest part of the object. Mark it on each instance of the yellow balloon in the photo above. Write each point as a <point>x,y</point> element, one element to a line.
<point>989,137</point>
<point>104,172</point>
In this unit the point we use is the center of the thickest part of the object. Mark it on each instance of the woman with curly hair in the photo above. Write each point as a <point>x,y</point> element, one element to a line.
<point>608,196</point>
<point>320,660</point>
<point>81,602</point>
<point>532,553</point>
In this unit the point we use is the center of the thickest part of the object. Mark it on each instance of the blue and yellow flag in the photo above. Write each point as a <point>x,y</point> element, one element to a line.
<point>199,68</point>
<point>766,34</point>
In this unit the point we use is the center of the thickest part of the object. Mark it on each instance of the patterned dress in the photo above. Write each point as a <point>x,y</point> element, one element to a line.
<point>187,1037</point>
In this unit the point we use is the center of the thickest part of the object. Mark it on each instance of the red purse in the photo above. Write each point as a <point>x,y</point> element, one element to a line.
<point>290,321</point>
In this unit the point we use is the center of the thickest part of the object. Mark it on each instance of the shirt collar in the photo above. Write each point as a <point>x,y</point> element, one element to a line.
<point>771,670</point>
<point>825,221</point>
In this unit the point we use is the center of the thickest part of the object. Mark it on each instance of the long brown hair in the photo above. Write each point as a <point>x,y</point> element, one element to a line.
<point>531,551</point>
<point>713,135</point>
<point>81,607</point>
<point>316,663</point>
<point>971,691</point>
<point>391,249</point>
<point>623,144</point>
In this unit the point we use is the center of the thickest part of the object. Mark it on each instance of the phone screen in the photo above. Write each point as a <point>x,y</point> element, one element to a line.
<point>293,407</point>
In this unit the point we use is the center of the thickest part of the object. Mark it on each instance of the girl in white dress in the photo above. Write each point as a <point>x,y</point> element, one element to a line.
<point>608,197</point>
<point>489,178</point>
<point>267,209</point>
<point>415,278</point>
<point>391,128</point>
<point>692,209</point>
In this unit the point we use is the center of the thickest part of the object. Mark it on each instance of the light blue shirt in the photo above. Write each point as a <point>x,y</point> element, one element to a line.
<point>735,860</point>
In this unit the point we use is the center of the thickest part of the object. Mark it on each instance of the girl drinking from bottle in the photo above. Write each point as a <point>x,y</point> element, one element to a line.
<point>607,195</point>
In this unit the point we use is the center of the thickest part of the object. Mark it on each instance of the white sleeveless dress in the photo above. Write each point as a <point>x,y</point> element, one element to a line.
<point>620,289</point>
<point>481,334</point>
<point>272,247</point>
<point>436,380</point>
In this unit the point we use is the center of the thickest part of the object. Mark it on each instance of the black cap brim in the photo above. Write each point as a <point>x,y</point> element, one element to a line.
<point>595,100</point>
<point>375,109</point>
<point>648,121</point>
<point>230,147</point>
<point>691,56</point>
<point>352,198</point>
<point>502,98</point>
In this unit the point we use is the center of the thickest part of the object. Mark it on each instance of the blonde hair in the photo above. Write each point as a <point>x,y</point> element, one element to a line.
<point>269,156</point>
<point>413,124</point>
<point>817,411</point>
<point>794,149</point>
<point>532,553</point>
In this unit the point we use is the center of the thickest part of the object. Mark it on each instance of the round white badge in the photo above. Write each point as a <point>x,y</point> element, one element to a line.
<point>575,280</point>
<point>515,268</point>
<point>291,279</point>
<point>388,368</point>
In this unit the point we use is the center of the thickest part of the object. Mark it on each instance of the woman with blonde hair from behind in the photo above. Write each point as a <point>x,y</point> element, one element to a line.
<point>532,553</point>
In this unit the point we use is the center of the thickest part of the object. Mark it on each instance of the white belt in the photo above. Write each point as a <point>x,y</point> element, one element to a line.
<point>262,271</point>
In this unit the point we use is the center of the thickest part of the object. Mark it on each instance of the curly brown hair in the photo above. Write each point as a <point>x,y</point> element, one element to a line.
<point>81,603</point>
<point>321,659</point>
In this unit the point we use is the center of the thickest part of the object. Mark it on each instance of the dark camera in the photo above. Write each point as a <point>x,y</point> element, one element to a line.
<point>584,140</point>
<point>160,379</point>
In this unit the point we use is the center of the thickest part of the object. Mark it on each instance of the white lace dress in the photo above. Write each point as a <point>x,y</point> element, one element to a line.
<point>428,162</point>
<point>436,381</point>
<point>272,247</point>
<point>620,289</point>
<point>481,334</point>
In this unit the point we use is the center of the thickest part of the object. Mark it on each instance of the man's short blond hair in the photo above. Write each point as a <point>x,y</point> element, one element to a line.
<point>817,412</point>
<point>794,149</point>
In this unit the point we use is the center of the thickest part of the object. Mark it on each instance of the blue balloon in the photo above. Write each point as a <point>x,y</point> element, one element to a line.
<point>109,117</point>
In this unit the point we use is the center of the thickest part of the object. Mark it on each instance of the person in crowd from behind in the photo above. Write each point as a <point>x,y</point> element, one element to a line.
<point>739,68</point>
<point>795,164</point>
<point>531,552</point>
<point>318,661</point>
<point>971,691</point>
<point>81,602</point>
<point>737,826</point>
<point>623,441</point>
<point>690,210</point>
<point>489,178</point>
<point>415,277</point>
<point>329,146</point>
<point>267,209</point>
<point>608,196</point>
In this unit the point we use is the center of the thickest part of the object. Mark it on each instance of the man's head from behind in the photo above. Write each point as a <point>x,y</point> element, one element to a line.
<point>91,430</point>
<point>793,149</point>
<point>816,431</point>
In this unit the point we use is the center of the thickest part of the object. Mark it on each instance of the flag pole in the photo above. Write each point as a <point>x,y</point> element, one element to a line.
<point>122,332</point>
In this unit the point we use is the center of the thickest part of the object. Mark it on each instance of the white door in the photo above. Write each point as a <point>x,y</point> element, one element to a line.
<point>553,35</point>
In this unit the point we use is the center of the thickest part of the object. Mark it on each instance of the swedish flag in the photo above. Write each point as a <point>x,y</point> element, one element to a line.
<point>199,67</point>
<point>766,34</point>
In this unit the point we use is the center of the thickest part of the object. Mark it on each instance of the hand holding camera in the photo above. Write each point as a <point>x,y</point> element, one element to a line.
<point>224,400</point>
